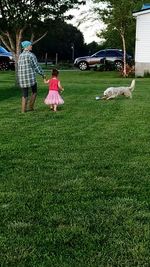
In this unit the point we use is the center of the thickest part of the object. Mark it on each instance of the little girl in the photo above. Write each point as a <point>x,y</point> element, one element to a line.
<point>53,98</point>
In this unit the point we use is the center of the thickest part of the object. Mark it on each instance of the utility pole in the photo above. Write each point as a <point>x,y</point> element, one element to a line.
<point>72,47</point>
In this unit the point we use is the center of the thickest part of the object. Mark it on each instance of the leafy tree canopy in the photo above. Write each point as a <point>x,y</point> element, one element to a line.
<point>61,38</point>
<point>118,18</point>
<point>119,21</point>
<point>16,16</point>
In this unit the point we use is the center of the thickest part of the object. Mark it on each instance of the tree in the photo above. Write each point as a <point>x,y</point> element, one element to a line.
<point>61,38</point>
<point>117,16</point>
<point>93,47</point>
<point>26,16</point>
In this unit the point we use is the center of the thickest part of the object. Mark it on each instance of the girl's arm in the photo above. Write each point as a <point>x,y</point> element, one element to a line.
<point>46,81</point>
<point>60,86</point>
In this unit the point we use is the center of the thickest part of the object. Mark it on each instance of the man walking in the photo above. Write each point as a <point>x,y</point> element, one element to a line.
<point>27,69</point>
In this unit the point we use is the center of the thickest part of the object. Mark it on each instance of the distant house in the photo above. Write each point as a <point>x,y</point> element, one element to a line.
<point>142,46</point>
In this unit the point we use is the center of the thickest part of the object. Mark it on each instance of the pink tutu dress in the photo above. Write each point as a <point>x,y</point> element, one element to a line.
<point>53,97</point>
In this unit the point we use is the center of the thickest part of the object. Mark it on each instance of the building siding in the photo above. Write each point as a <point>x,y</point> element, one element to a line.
<point>142,50</point>
<point>142,46</point>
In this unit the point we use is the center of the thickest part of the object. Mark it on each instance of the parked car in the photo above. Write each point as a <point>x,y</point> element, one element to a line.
<point>6,60</point>
<point>111,56</point>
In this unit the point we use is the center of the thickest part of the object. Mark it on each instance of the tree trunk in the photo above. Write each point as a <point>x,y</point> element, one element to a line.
<point>17,53</point>
<point>124,54</point>
<point>14,45</point>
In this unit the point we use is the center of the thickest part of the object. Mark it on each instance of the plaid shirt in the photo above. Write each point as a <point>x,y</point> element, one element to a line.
<point>27,69</point>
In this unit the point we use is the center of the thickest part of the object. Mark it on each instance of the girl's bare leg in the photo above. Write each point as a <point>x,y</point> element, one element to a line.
<point>55,107</point>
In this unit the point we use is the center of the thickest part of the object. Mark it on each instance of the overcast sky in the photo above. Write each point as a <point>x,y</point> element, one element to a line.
<point>88,28</point>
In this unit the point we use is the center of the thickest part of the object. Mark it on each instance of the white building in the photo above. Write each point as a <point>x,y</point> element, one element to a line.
<point>142,45</point>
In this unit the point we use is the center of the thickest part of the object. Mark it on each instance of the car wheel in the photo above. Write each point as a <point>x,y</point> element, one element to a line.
<point>119,65</point>
<point>4,66</point>
<point>83,65</point>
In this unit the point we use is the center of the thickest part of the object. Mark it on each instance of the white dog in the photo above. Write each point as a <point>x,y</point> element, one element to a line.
<point>113,92</point>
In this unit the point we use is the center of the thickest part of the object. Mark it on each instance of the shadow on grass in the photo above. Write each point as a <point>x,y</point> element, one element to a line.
<point>8,86</point>
<point>6,93</point>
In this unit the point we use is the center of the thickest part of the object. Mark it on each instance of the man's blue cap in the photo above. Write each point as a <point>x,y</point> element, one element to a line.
<point>25,44</point>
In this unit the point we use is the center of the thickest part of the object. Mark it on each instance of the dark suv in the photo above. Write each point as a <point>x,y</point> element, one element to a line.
<point>111,56</point>
<point>6,60</point>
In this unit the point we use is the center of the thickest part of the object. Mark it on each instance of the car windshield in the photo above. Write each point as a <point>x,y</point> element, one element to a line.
<point>99,54</point>
<point>3,50</point>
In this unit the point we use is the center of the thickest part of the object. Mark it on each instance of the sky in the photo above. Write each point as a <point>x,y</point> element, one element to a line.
<point>89,27</point>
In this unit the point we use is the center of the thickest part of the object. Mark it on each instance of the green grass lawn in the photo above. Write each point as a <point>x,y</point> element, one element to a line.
<point>75,185</point>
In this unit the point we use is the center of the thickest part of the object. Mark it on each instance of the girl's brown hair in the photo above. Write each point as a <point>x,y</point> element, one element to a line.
<point>55,72</point>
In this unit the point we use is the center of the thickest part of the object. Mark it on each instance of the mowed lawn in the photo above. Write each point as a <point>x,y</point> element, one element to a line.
<point>75,185</point>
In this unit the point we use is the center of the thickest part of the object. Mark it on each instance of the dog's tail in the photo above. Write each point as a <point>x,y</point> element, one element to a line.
<point>132,86</point>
